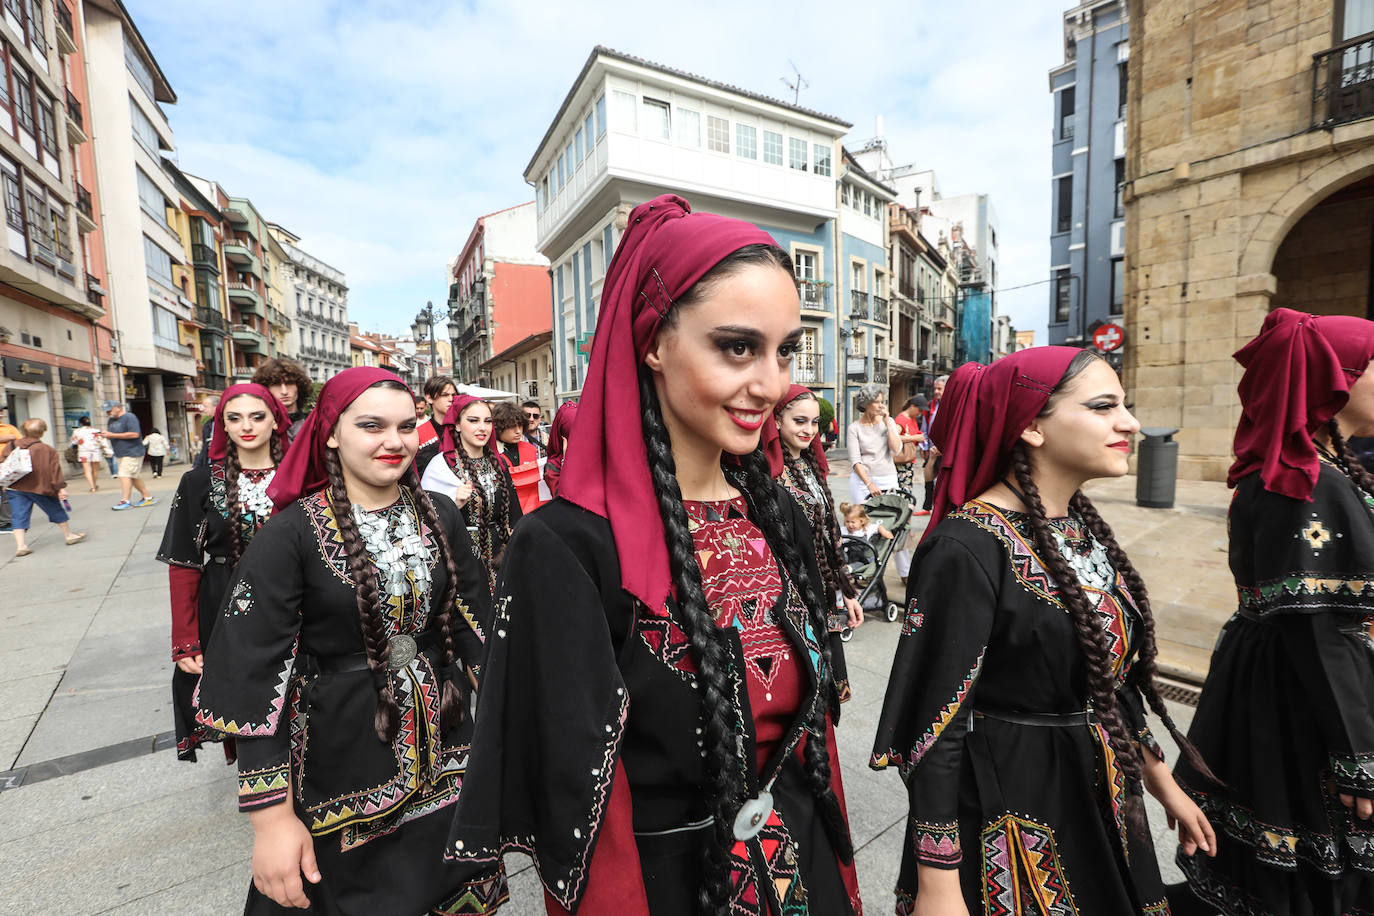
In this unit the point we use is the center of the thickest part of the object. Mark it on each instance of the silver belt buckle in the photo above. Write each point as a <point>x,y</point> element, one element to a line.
<point>753,814</point>
<point>402,651</point>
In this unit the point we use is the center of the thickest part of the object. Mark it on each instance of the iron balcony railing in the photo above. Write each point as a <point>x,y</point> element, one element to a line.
<point>213,381</point>
<point>880,309</point>
<point>814,295</point>
<point>74,109</point>
<point>64,17</point>
<point>204,255</point>
<point>1343,83</point>
<point>211,319</point>
<point>808,369</point>
<point>84,203</point>
<point>880,370</point>
<point>858,303</point>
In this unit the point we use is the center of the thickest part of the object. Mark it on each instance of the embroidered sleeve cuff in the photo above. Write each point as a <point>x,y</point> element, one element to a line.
<point>190,650</point>
<point>937,845</point>
<point>1354,773</point>
<point>264,788</point>
<point>1148,742</point>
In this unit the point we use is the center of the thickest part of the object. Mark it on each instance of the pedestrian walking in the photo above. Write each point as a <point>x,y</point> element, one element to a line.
<point>8,436</point>
<point>89,454</point>
<point>216,512</point>
<point>1285,718</point>
<point>156,446</point>
<point>524,461</point>
<point>931,465</point>
<point>125,436</point>
<point>1015,711</point>
<point>874,441</point>
<point>909,459</point>
<point>44,487</point>
<point>439,393</point>
<point>469,471</point>
<point>534,433</point>
<point>289,383</point>
<point>353,619</point>
<point>564,419</point>
<point>796,458</point>
<point>660,623</point>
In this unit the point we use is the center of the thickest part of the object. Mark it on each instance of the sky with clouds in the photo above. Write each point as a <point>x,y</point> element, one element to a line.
<point>378,131</point>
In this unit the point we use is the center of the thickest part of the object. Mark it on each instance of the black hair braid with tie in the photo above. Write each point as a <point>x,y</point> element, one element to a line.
<point>231,502</point>
<point>1348,460</point>
<point>451,700</point>
<point>364,575</point>
<point>1144,670</point>
<point>1092,639</point>
<point>763,493</point>
<point>725,786</point>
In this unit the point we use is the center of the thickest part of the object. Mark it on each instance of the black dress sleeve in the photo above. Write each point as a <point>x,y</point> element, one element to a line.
<point>474,601</point>
<point>950,606</point>
<point>259,630</point>
<point>551,710</point>
<point>183,540</point>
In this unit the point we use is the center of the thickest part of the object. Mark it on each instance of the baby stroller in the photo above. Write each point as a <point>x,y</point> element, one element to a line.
<point>866,558</point>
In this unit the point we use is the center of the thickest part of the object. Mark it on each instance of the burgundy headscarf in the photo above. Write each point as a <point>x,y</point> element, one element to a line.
<point>981,416</point>
<point>563,421</point>
<point>1298,374</point>
<point>219,438</point>
<point>774,450</point>
<point>665,250</point>
<point>448,442</point>
<point>302,470</point>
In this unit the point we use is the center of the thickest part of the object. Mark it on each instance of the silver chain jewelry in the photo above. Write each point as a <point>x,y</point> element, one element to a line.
<point>1093,568</point>
<point>396,548</point>
<point>253,495</point>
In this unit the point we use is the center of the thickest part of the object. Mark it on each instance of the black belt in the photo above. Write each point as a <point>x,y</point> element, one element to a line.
<point>1043,719</point>
<point>357,661</point>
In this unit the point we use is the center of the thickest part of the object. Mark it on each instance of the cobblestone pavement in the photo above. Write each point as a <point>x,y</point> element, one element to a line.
<point>105,821</point>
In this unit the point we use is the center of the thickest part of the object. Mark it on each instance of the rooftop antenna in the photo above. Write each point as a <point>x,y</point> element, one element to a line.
<point>796,85</point>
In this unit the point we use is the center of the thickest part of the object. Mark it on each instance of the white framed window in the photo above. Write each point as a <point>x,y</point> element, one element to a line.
<point>822,159</point>
<point>857,276</point>
<point>804,264</point>
<point>844,194</point>
<point>577,145</point>
<point>626,117</point>
<point>717,134</point>
<point>150,197</point>
<point>772,147</point>
<point>157,262</point>
<point>601,116</point>
<point>746,141</point>
<point>589,132</point>
<point>689,127</point>
<point>144,132</point>
<point>164,328</point>
<point>657,120</point>
<point>796,154</point>
<point>868,203</point>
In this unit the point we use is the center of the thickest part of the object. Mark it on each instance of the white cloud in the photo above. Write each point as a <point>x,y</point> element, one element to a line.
<point>380,131</point>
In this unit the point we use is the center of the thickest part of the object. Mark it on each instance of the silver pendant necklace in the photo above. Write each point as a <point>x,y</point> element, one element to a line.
<point>394,543</point>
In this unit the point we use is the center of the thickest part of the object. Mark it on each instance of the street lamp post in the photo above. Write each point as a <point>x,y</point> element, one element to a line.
<point>423,327</point>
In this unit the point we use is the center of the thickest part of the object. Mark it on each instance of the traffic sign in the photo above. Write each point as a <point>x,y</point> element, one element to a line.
<point>584,344</point>
<point>1109,337</point>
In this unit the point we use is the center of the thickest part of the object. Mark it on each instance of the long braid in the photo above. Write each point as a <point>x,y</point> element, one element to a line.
<point>1350,462</point>
<point>1144,671</point>
<point>763,494</point>
<point>231,502</point>
<point>364,575</point>
<point>832,530</point>
<point>710,650</point>
<point>479,501</point>
<point>451,700</point>
<point>1092,639</point>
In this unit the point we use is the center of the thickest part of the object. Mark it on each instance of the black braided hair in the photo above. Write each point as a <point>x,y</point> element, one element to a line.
<point>451,700</point>
<point>725,785</point>
<point>364,575</point>
<point>1092,640</point>
<point>763,493</point>
<point>1348,460</point>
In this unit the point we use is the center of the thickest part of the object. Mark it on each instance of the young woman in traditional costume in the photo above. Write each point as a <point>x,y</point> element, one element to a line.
<point>348,641</point>
<point>796,458</point>
<point>471,472</point>
<point>217,510</point>
<point>656,720</point>
<point>1286,717</point>
<point>559,432</point>
<point>1015,709</point>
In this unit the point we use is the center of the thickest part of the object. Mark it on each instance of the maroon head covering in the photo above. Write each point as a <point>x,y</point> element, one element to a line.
<point>219,439</point>
<point>448,442</point>
<point>1298,374</point>
<point>302,470</point>
<point>563,422</point>
<point>774,450</point>
<point>981,416</point>
<point>665,250</point>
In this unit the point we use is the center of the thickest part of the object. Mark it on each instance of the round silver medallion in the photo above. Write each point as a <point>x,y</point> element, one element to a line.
<point>402,651</point>
<point>753,814</point>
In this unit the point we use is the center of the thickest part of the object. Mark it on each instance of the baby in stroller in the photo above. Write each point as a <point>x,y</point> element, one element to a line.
<point>869,544</point>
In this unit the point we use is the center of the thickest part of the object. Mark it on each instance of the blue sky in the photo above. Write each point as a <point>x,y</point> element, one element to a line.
<point>378,131</point>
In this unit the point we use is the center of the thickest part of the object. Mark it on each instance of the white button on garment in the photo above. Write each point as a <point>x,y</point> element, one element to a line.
<point>458,844</point>
<point>577,833</point>
<point>561,884</point>
<point>608,729</point>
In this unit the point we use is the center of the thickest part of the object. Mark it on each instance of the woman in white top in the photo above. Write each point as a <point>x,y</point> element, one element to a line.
<point>872,441</point>
<point>86,438</point>
<point>156,444</point>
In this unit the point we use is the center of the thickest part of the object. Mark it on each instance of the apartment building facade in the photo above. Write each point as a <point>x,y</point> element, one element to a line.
<point>316,296</point>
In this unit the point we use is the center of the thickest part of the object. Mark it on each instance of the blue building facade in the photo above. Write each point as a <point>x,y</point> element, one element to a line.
<point>1087,246</point>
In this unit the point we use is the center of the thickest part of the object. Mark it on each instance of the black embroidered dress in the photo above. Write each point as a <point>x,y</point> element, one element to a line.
<point>301,700</point>
<point>590,765</point>
<point>813,495</point>
<point>1029,814</point>
<point>492,509</point>
<point>1286,717</point>
<point>198,538</point>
